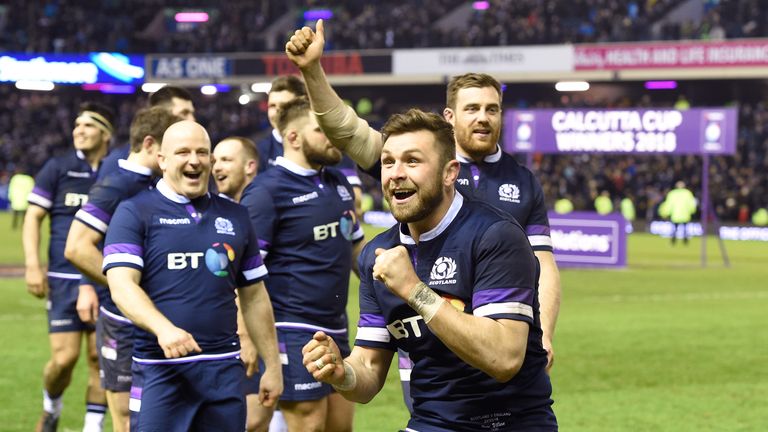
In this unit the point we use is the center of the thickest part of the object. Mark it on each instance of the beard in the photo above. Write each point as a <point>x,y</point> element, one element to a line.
<point>328,156</point>
<point>427,199</point>
<point>474,147</point>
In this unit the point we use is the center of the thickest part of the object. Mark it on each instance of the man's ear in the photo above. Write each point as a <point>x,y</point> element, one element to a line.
<point>292,139</point>
<point>451,172</point>
<point>449,116</point>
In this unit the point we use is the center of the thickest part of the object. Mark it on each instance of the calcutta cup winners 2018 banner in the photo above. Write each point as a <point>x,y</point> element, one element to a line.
<point>643,131</point>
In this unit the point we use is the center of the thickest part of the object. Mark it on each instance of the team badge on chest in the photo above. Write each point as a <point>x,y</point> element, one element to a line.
<point>509,192</point>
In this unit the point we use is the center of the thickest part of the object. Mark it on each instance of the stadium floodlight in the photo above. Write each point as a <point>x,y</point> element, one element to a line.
<point>152,87</point>
<point>244,99</point>
<point>35,85</point>
<point>661,85</point>
<point>481,5</point>
<point>209,90</point>
<point>572,86</point>
<point>191,17</point>
<point>261,87</point>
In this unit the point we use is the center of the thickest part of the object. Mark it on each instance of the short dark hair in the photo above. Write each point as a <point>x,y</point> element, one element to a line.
<point>152,121</point>
<point>166,94</point>
<point>292,110</point>
<point>415,120</point>
<point>469,80</point>
<point>249,147</point>
<point>289,83</point>
<point>100,109</point>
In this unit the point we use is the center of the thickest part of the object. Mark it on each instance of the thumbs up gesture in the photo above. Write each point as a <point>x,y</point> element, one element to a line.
<point>306,46</point>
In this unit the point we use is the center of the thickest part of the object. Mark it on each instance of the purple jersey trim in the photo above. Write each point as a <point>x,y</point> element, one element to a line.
<point>128,248</point>
<point>97,213</point>
<point>502,295</point>
<point>371,320</point>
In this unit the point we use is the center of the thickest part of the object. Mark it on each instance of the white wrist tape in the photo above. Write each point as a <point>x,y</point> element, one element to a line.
<point>350,379</point>
<point>425,301</point>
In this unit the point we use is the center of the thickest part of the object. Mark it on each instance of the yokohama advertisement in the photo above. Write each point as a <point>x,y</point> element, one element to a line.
<point>671,55</point>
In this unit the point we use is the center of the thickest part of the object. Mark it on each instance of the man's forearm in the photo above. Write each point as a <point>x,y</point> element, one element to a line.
<point>88,259</point>
<point>259,318</point>
<point>549,293</point>
<point>497,347</point>
<point>30,237</point>
<point>370,373</point>
<point>134,303</point>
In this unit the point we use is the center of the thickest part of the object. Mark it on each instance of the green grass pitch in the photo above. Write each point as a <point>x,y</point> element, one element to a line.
<point>663,345</point>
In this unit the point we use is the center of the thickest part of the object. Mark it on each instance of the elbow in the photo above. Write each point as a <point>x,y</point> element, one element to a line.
<point>505,370</point>
<point>70,253</point>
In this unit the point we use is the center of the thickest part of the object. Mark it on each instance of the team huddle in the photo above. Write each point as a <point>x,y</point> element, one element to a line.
<point>227,311</point>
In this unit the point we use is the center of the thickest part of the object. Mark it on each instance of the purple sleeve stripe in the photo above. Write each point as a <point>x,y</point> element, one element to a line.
<point>136,392</point>
<point>42,192</point>
<point>371,320</point>
<point>404,362</point>
<point>281,348</point>
<point>124,248</point>
<point>264,245</point>
<point>97,213</point>
<point>502,295</point>
<point>252,262</point>
<point>537,230</point>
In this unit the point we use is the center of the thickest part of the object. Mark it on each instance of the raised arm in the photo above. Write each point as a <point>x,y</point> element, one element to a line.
<point>341,125</point>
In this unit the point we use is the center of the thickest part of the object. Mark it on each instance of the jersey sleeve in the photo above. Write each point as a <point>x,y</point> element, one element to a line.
<point>103,199</point>
<point>537,225</point>
<point>262,214</point>
<point>357,229</point>
<point>124,243</point>
<point>46,182</point>
<point>348,167</point>
<point>372,327</point>
<point>506,272</point>
<point>252,268</point>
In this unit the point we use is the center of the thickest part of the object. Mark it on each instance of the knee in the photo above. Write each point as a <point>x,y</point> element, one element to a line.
<point>65,358</point>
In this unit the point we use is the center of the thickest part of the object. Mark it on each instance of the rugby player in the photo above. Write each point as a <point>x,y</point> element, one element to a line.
<point>453,284</point>
<point>173,257</point>
<point>61,188</point>
<point>302,210</point>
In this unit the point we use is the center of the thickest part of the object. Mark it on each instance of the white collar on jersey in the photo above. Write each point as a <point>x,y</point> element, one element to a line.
<point>226,197</point>
<point>134,167</point>
<point>491,158</point>
<point>167,192</point>
<point>276,135</point>
<point>450,215</point>
<point>294,167</point>
<point>80,154</point>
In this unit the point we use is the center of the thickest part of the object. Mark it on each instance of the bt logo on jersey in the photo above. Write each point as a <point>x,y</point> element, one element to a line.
<point>399,328</point>
<point>182,260</point>
<point>75,199</point>
<point>346,225</point>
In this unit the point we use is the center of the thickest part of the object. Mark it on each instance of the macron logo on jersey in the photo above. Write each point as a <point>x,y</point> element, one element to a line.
<point>443,272</point>
<point>510,193</point>
<point>77,174</point>
<point>175,221</point>
<point>463,182</point>
<point>304,198</point>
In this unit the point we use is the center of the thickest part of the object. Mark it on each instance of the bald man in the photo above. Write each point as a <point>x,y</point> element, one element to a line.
<point>173,257</point>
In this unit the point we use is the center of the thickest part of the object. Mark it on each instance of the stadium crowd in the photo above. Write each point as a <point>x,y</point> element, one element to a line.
<point>148,25</point>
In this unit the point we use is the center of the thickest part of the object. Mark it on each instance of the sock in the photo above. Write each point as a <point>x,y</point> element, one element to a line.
<point>94,417</point>
<point>52,405</point>
<point>278,423</point>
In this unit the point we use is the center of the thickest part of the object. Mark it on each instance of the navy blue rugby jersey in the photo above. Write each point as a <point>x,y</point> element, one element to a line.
<point>269,149</point>
<point>124,182</point>
<point>110,163</point>
<point>61,187</point>
<point>305,221</point>
<point>505,184</point>
<point>192,255</point>
<point>480,261</point>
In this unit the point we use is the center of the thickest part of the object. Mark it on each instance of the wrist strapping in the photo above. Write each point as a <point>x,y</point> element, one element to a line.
<point>350,379</point>
<point>425,301</point>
